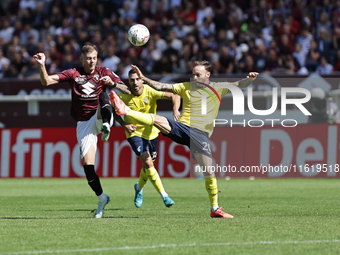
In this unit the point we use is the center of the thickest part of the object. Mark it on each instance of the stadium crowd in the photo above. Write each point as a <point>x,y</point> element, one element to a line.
<point>283,36</point>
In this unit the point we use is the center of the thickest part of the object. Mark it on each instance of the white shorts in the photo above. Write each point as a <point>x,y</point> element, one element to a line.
<point>87,132</point>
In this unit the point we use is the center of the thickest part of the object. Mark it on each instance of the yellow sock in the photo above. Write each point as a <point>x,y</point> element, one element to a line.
<point>155,179</point>
<point>141,118</point>
<point>143,178</point>
<point>211,187</point>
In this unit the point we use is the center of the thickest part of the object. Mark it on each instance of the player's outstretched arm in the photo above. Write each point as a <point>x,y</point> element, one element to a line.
<point>176,103</point>
<point>119,85</point>
<point>247,81</point>
<point>45,79</point>
<point>154,84</point>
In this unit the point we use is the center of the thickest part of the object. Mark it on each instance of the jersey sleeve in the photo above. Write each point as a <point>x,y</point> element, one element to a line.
<point>178,89</point>
<point>224,92</point>
<point>156,94</point>
<point>66,75</point>
<point>114,77</point>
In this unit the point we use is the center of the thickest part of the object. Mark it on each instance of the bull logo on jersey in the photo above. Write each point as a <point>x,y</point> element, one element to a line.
<point>96,77</point>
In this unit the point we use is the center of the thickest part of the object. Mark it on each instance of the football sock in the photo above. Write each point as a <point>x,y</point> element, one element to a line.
<point>141,118</point>
<point>214,208</point>
<point>105,107</point>
<point>154,178</point>
<point>102,197</point>
<point>93,179</point>
<point>143,179</point>
<point>211,187</point>
<point>164,194</point>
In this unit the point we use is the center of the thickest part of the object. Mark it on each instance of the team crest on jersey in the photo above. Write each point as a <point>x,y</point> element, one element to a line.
<point>80,80</point>
<point>96,77</point>
<point>146,100</point>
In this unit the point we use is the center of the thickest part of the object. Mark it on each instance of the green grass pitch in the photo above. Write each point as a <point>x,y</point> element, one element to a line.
<point>272,216</point>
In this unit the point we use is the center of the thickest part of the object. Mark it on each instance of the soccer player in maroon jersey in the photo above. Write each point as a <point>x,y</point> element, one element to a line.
<point>91,109</point>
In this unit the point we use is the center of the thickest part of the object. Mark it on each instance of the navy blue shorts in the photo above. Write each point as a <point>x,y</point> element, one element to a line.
<point>197,140</point>
<point>140,145</point>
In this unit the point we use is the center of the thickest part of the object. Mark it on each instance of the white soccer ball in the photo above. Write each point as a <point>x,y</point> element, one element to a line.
<point>138,35</point>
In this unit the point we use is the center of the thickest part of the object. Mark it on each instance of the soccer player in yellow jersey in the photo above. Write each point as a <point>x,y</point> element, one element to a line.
<point>144,138</point>
<point>193,129</point>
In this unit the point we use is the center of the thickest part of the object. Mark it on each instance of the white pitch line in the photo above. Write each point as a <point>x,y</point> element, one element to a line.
<point>169,246</point>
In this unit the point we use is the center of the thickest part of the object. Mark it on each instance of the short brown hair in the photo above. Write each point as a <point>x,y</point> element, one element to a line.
<point>88,48</point>
<point>204,63</point>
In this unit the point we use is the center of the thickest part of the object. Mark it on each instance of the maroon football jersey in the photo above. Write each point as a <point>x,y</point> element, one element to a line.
<point>86,89</point>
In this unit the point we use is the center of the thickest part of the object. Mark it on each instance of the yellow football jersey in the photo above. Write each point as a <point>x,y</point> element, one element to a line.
<point>192,105</point>
<point>145,103</point>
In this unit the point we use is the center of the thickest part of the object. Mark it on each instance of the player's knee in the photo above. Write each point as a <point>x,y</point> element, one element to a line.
<point>146,159</point>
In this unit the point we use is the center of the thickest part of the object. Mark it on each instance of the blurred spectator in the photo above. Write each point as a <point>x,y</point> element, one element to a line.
<point>27,33</point>
<point>272,61</point>
<point>6,33</point>
<point>305,40</point>
<point>4,63</point>
<point>111,61</point>
<point>323,23</point>
<point>207,29</point>
<point>180,29</point>
<point>220,18</point>
<point>144,11</point>
<point>313,57</point>
<point>299,54</point>
<point>163,66</point>
<point>160,42</point>
<point>126,11</point>
<point>188,14</point>
<point>324,42</point>
<point>284,46</point>
<point>39,16</point>
<point>337,64</point>
<point>31,4</point>
<point>203,12</point>
<point>324,67</point>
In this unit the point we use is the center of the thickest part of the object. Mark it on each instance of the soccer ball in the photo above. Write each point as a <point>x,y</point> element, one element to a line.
<point>138,35</point>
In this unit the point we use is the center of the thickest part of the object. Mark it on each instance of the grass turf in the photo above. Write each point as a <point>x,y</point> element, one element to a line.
<point>53,216</point>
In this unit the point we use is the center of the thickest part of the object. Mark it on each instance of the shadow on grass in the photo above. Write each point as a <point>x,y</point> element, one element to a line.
<point>70,210</point>
<point>63,218</point>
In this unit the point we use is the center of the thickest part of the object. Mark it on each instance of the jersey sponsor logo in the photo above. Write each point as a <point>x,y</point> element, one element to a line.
<point>80,80</point>
<point>88,88</point>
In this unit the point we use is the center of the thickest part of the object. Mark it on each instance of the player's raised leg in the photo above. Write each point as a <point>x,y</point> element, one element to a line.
<point>141,118</point>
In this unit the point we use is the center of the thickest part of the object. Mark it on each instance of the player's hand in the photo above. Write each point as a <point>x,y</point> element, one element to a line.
<point>40,58</point>
<point>252,75</point>
<point>107,80</point>
<point>138,72</point>
<point>130,128</point>
<point>177,115</point>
